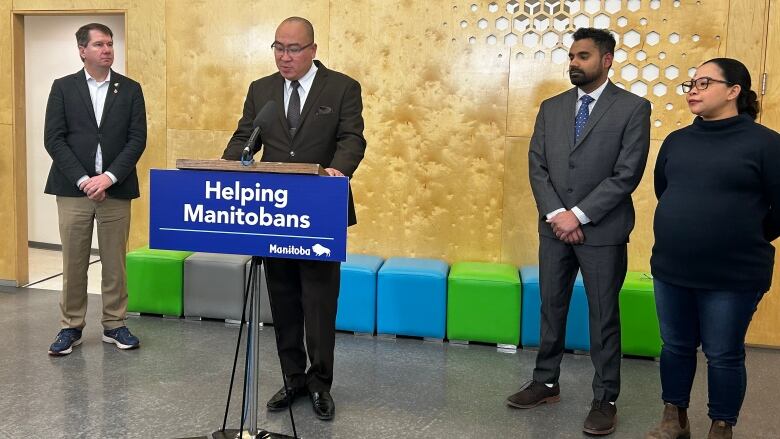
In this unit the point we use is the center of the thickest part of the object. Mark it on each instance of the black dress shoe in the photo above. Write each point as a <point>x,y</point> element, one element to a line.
<point>280,401</point>
<point>324,407</point>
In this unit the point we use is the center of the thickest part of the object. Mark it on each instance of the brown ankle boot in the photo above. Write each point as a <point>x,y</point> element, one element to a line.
<point>719,430</point>
<point>674,424</point>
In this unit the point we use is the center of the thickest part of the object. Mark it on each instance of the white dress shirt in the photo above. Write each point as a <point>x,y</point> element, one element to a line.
<point>97,93</point>
<point>303,89</point>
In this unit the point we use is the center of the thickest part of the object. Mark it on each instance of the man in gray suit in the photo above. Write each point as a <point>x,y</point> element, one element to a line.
<point>587,155</point>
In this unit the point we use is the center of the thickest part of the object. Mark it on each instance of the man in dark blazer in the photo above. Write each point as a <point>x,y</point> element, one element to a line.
<point>319,120</point>
<point>587,155</point>
<point>95,132</point>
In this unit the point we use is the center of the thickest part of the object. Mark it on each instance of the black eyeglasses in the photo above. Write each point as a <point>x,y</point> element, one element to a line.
<point>292,50</point>
<point>701,83</point>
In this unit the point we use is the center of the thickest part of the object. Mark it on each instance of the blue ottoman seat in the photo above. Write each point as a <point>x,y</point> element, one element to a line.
<point>412,297</point>
<point>357,294</point>
<point>577,330</point>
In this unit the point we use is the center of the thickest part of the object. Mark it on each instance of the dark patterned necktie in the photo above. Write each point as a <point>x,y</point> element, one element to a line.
<point>294,108</point>
<point>582,116</point>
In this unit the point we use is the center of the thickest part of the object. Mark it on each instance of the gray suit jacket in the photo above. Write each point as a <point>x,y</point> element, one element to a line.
<point>599,172</point>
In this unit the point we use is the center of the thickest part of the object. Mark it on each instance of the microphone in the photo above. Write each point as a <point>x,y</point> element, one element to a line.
<point>260,123</point>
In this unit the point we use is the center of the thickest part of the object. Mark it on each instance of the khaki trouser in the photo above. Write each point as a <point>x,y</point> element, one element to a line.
<point>76,217</point>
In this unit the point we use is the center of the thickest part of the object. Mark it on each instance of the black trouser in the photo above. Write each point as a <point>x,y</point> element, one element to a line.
<point>603,272</point>
<point>304,295</point>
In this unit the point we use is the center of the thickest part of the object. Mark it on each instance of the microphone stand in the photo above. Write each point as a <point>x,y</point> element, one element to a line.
<point>251,372</point>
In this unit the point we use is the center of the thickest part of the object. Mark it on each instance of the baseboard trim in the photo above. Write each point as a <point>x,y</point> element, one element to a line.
<point>55,247</point>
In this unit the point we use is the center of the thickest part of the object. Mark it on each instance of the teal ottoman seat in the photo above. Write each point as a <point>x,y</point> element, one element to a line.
<point>412,297</point>
<point>357,294</point>
<point>154,281</point>
<point>483,303</point>
<point>577,321</point>
<point>640,334</point>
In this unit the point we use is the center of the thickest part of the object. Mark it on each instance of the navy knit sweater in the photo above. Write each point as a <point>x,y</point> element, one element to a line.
<point>718,190</point>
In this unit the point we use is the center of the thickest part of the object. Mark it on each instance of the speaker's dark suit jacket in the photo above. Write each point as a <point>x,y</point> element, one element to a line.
<point>305,293</point>
<point>330,131</point>
<point>71,134</point>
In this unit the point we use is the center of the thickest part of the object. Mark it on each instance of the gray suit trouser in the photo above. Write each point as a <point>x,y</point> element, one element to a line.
<point>603,271</point>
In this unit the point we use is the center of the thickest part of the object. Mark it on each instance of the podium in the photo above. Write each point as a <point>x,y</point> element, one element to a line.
<point>263,209</point>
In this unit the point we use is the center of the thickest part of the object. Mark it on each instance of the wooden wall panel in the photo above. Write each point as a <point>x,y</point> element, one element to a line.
<point>70,6</point>
<point>746,37</point>
<point>765,328</point>
<point>770,105</point>
<point>20,232</point>
<point>216,50</point>
<point>641,240</point>
<point>435,108</point>
<point>6,66</point>
<point>7,216</point>
<point>195,144</point>
<point>146,63</point>
<point>7,226</point>
<point>519,231</point>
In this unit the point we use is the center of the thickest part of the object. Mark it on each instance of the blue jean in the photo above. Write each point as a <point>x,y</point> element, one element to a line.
<point>718,320</point>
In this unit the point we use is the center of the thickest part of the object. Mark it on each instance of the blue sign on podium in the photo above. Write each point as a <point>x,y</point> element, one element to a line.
<point>248,213</point>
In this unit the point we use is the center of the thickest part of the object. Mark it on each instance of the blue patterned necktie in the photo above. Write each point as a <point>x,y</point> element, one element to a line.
<point>582,116</point>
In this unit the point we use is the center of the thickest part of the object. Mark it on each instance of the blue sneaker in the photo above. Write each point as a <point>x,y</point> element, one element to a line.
<point>121,337</point>
<point>66,339</point>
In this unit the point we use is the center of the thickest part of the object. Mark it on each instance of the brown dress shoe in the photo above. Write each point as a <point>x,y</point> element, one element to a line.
<point>533,394</point>
<point>720,430</point>
<point>674,424</point>
<point>601,419</point>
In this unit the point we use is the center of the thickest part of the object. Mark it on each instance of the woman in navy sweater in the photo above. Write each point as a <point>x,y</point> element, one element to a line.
<point>718,187</point>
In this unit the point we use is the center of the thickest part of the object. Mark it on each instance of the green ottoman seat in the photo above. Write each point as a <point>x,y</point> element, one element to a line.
<point>483,303</point>
<point>154,281</point>
<point>640,334</point>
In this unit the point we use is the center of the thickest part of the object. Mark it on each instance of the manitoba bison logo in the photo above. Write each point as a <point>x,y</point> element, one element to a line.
<point>319,250</point>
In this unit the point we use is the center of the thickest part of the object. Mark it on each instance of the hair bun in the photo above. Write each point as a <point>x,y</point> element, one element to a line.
<point>752,106</point>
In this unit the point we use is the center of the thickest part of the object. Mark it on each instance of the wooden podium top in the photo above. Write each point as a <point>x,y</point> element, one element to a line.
<point>236,166</point>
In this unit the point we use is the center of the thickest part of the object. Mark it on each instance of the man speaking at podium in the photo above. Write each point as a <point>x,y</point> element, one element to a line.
<point>319,121</point>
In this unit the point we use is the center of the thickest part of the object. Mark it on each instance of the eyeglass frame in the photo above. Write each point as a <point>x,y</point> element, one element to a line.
<point>694,83</point>
<point>292,51</point>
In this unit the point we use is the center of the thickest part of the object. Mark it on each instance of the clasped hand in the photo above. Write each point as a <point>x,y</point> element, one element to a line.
<point>95,187</point>
<point>566,227</point>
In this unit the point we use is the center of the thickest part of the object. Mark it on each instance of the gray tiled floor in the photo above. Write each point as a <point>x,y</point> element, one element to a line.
<point>175,385</point>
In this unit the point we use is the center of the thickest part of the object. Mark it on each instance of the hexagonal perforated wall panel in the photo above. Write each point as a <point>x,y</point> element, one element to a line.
<point>652,57</point>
